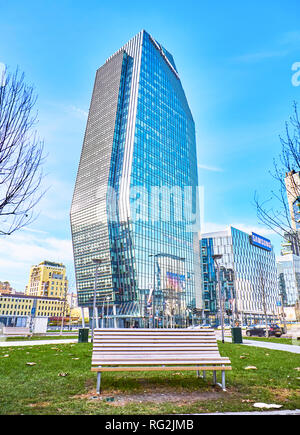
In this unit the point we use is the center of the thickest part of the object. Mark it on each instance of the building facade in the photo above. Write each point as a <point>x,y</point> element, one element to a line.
<point>19,309</point>
<point>48,279</point>
<point>134,206</point>
<point>210,280</point>
<point>288,268</point>
<point>251,282</point>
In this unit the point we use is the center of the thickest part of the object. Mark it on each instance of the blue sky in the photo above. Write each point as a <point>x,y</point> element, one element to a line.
<point>235,62</point>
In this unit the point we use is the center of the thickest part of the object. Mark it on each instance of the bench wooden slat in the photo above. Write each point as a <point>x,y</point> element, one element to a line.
<point>154,331</point>
<point>153,336</point>
<point>149,340</point>
<point>149,368</point>
<point>149,351</point>
<point>159,360</point>
<point>151,357</point>
<point>154,347</point>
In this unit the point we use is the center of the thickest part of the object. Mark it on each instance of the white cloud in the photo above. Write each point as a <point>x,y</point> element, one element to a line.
<point>260,56</point>
<point>82,114</point>
<point>291,39</point>
<point>23,249</point>
<point>212,227</point>
<point>209,168</point>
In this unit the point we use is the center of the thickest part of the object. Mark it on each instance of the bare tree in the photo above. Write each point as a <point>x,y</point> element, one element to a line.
<point>275,212</point>
<point>21,153</point>
<point>262,292</point>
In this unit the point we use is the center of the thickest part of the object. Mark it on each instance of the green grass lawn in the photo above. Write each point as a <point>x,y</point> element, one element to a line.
<point>61,382</point>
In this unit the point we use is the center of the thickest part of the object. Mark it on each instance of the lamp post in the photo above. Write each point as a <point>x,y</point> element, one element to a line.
<point>102,316</point>
<point>282,312</point>
<point>64,309</point>
<point>217,257</point>
<point>153,292</point>
<point>107,300</point>
<point>97,261</point>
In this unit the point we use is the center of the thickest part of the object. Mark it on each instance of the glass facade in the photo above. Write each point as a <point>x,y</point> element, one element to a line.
<point>254,275</point>
<point>210,286</point>
<point>135,199</point>
<point>288,267</point>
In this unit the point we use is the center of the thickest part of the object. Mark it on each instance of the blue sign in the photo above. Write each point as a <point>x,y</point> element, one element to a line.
<point>261,242</point>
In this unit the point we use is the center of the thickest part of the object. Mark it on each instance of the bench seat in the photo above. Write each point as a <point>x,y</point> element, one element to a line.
<point>157,350</point>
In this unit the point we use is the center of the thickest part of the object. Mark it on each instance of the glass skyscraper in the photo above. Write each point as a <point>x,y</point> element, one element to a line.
<point>135,204</point>
<point>288,267</point>
<point>250,259</point>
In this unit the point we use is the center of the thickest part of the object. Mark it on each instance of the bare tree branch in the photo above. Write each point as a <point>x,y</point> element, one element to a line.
<point>21,154</point>
<point>280,219</point>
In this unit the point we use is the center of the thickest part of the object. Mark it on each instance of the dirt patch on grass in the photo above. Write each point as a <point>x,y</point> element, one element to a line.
<point>171,397</point>
<point>117,398</point>
<point>282,394</point>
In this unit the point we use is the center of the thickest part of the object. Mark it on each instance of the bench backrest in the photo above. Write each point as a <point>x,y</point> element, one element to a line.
<point>120,346</point>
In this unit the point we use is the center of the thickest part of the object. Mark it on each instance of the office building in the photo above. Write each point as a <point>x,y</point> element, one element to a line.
<point>288,267</point>
<point>249,262</point>
<point>19,309</point>
<point>48,279</point>
<point>134,206</point>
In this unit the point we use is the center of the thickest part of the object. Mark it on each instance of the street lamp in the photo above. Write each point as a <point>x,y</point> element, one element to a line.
<point>97,261</point>
<point>153,291</point>
<point>217,257</point>
<point>107,300</point>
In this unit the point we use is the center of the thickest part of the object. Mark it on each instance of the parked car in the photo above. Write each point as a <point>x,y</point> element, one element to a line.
<point>260,330</point>
<point>199,326</point>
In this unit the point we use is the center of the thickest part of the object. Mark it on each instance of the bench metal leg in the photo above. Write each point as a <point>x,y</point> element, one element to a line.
<point>98,382</point>
<point>223,380</point>
<point>222,385</point>
<point>203,374</point>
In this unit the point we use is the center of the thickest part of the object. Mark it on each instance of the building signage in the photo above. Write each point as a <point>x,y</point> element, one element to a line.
<point>261,242</point>
<point>175,281</point>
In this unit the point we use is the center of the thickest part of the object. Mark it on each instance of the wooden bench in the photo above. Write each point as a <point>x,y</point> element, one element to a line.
<point>116,350</point>
<point>17,331</point>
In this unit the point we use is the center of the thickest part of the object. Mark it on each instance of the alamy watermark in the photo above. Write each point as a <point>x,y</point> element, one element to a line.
<point>152,204</point>
<point>296,75</point>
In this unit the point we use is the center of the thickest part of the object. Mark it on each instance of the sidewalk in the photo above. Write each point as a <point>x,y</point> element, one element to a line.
<point>275,346</point>
<point>287,412</point>
<point>36,342</point>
